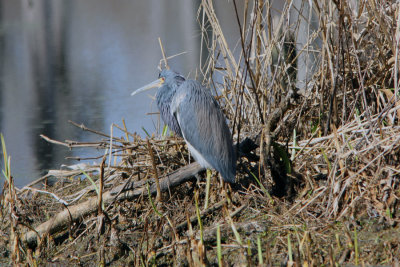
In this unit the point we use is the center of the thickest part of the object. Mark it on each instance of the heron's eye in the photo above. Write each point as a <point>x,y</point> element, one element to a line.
<point>162,79</point>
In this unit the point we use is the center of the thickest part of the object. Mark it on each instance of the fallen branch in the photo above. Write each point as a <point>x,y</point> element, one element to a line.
<point>74,213</point>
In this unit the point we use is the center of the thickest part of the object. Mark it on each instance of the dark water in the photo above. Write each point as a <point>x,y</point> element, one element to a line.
<point>79,60</point>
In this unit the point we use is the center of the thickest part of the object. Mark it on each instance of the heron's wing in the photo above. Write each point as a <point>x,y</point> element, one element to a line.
<point>204,128</point>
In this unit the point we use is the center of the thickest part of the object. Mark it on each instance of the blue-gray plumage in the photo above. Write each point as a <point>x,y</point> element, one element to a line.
<point>191,111</point>
<point>164,97</point>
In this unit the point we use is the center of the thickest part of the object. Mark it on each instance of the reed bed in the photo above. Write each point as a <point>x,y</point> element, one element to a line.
<point>312,96</point>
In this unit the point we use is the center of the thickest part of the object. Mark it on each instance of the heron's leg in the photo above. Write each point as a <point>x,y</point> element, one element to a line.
<point>225,190</point>
<point>228,191</point>
<point>207,188</point>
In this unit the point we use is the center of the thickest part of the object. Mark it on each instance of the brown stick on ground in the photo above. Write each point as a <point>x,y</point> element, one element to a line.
<point>62,219</point>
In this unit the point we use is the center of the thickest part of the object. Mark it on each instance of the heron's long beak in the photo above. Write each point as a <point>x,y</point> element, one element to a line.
<point>156,83</point>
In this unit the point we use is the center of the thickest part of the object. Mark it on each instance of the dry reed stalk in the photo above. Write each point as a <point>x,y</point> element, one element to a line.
<point>155,172</point>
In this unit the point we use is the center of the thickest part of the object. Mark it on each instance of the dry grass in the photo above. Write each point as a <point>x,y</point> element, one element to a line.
<point>321,188</point>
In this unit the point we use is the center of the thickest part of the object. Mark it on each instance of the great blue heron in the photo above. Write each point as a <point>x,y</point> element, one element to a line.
<point>191,112</point>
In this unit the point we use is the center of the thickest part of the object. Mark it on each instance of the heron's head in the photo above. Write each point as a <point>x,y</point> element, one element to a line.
<point>166,77</point>
<point>170,78</point>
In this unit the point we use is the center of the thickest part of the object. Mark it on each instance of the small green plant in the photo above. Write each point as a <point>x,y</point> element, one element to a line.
<point>389,213</point>
<point>235,232</point>
<point>219,249</point>
<point>356,249</point>
<point>164,131</point>
<point>151,201</point>
<point>326,159</point>
<point>6,159</point>
<point>146,132</point>
<point>259,251</point>
<point>262,187</point>
<point>249,248</point>
<point>314,127</point>
<point>290,251</point>
<point>94,185</point>
<point>91,181</point>
<point>292,157</point>
<point>196,198</point>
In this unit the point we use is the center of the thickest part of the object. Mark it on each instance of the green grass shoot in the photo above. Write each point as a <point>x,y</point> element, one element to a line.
<point>259,251</point>
<point>6,159</point>
<point>262,187</point>
<point>219,249</point>
<point>151,201</point>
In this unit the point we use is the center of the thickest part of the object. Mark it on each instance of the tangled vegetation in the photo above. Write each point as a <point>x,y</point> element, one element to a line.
<point>316,119</point>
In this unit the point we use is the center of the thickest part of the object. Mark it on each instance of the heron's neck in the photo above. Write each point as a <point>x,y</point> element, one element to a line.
<point>165,94</point>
